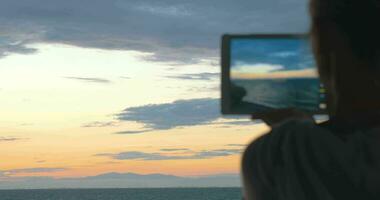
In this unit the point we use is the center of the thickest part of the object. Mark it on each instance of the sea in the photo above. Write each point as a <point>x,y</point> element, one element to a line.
<point>301,93</point>
<point>124,194</point>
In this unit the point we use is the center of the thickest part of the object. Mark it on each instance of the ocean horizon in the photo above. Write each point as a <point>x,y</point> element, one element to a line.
<point>183,193</point>
<point>302,93</point>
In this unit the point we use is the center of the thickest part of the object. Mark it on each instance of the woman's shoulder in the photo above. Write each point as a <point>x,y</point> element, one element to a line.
<point>300,132</point>
<point>305,152</point>
<point>299,141</point>
<point>299,152</point>
<point>304,137</point>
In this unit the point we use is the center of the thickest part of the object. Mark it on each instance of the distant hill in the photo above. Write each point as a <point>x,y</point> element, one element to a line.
<point>122,180</point>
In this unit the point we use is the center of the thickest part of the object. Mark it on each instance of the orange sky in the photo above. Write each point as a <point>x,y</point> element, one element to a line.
<point>44,114</point>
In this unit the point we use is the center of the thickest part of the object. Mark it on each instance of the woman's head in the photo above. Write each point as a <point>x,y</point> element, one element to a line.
<point>357,19</point>
<point>346,44</point>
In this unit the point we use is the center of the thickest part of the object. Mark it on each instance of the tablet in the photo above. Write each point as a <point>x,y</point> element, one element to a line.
<point>262,72</point>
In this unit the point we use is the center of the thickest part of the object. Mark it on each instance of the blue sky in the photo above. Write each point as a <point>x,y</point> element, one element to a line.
<point>286,54</point>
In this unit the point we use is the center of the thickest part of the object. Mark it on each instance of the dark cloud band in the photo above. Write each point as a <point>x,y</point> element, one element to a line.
<point>170,115</point>
<point>172,31</point>
<point>180,113</point>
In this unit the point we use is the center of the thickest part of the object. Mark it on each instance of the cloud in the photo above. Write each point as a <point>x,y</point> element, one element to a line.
<point>87,79</point>
<point>9,48</point>
<point>180,113</point>
<point>10,139</point>
<point>205,154</point>
<point>31,170</point>
<point>271,56</point>
<point>26,124</point>
<point>218,153</point>
<point>236,145</point>
<point>136,155</point>
<point>201,76</point>
<point>131,132</point>
<point>170,150</point>
<point>99,124</point>
<point>166,10</point>
<point>170,115</point>
<point>240,122</point>
<point>285,54</point>
<point>172,31</point>
<point>125,77</point>
<point>207,88</point>
<point>261,68</point>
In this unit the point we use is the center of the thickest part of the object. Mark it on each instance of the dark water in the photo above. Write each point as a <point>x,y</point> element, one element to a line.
<point>124,194</point>
<point>302,93</point>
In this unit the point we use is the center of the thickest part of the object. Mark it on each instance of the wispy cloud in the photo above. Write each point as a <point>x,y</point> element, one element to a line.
<point>131,132</point>
<point>247,122</point>
<point>99,124</point>
<point>179,149</point>
<point>125,77</point>
<point>90,80</point>
<point>26,124</point>
<point>138,155</point>
<point>236,145</point>
<point>8,46</point>
<point>206,88</point>
<point>31,170</point>
<point>201,76</point>
<point>10,139</point>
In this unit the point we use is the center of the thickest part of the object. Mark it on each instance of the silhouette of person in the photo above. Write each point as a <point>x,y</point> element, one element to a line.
<point>239,105</point>
<point>339,158</point>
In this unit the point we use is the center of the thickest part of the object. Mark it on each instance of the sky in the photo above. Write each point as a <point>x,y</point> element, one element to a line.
<point>271,58</point>
<point>98,86</point>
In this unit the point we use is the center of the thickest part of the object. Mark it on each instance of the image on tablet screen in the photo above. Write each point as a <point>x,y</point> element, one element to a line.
<point>273,74</point>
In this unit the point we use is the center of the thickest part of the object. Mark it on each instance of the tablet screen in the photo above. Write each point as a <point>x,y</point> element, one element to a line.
<point>273,73</point>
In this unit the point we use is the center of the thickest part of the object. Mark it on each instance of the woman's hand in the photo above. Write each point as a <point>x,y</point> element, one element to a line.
<point>274,117</point>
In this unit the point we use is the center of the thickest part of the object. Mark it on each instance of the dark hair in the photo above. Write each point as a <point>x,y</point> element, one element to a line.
<point>359,20</point>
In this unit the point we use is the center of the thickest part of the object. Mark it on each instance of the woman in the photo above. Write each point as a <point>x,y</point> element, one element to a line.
<point>340,158</point>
